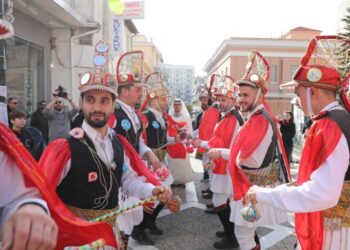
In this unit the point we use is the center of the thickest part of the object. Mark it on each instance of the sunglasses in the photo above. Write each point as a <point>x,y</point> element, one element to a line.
<point>14,103</point>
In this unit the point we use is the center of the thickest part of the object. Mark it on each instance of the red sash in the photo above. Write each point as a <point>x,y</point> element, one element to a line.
<point>322,138</point>
<point>222,139</point>
<point>72,231</point>
<point>206,127</point>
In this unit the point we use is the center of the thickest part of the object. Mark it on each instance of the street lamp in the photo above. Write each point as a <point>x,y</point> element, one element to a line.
<point>131,36</point>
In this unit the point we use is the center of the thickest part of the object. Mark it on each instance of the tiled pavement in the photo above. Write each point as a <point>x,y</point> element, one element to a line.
<point>193,229</point>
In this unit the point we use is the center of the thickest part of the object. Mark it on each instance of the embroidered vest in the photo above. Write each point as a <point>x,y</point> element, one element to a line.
<point>339,216</point>
<point>156,135</point>
<point>79,188</point>
<point>125,127</point>
<point>269,171</point>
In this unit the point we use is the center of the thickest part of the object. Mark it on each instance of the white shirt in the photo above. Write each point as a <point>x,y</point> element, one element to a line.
<point>130,111</point>
<point>132,184</point>
<point>257,157</point>
<point>13,192</point>
<point>323,189</point>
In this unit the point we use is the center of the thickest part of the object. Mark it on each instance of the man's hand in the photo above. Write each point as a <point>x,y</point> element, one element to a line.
<point>197,143</point>
<point>163,193</point>
<point>250,197</point>
<point>153,161</point>
<point>30,227</point>
<point>214,153</point>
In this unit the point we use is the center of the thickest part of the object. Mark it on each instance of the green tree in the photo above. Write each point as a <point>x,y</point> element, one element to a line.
<point>345,52</point>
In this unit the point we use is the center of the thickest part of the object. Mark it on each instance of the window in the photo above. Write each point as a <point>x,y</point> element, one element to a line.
<point>273,74</point>
<point>293,68</point>
<point>25,72</point>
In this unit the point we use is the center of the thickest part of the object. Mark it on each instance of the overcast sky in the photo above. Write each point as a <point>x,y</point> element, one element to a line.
<point>187,32</point>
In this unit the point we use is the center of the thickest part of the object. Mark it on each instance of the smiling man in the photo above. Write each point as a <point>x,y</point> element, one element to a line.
<point>320,198</point>
<point>257,155</point>
<point>93,167</point>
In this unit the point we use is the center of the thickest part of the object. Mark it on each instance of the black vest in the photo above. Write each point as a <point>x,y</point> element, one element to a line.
<point>125,128</point>
<point>76,190</point>
<point>156,135</point>
<point>271,154</point>
<point>238,116</point>
<point>342,119</point>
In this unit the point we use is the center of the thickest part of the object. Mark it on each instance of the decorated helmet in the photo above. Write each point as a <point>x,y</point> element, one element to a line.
<point>99,78</point>
<point>257,72</point>
<point>130,68</point>
<point>325,65</point>
<point>225,87</point>
<point>155,86</point>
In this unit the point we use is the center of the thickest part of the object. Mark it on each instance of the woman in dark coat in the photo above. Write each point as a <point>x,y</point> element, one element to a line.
<point>288,132</point>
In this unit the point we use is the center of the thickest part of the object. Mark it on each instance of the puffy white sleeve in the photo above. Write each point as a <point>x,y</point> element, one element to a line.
<point>13,192</point>
<point>134,185</point>
<point>257,157</point>
<point>321,192</point>
<point>143,147</point>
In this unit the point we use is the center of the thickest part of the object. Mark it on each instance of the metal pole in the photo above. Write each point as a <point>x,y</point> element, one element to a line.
<point>2,48</point>
<point>2,53</point>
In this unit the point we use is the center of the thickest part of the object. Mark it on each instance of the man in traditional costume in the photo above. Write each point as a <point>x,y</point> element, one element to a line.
<point>128,124</point>
<point>206,129</point>
<point>22,208</point>
<point>203,93</point>
<point>94,167</point>
<point>224,134</point>
<point>130,92</point>
<point>26,197</point>
<point>257,155</point>
<point>155,135</point>
<point>320,198</point>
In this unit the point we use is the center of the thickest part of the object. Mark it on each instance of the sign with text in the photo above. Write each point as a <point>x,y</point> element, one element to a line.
<point>133,10</point>
<point>117,44</point>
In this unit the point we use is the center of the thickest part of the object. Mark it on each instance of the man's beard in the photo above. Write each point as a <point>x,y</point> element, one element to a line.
<point>204,106</point>
<point>96,123</point>
<point>248,108</point>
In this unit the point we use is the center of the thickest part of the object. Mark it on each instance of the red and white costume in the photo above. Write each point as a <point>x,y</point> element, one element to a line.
<point>257,157</point>
<point>321,197</point>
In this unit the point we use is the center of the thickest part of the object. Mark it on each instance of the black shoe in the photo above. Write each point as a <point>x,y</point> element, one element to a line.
<point>207,195</point>
<point>154,228</point>
<point>210,211</point>
<point>220,234</point>
<point>210,205</point>
<point>226,243</point>
<point>142,238</point>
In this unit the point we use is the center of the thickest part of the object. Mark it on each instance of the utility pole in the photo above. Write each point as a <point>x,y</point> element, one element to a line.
<point>2,50</point>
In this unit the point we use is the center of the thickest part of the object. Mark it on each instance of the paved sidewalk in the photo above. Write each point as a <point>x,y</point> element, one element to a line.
<point>192,229</point>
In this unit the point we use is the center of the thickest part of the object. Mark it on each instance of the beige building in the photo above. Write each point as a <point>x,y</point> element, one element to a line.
<point>153,60</point>
<point>283,55</point>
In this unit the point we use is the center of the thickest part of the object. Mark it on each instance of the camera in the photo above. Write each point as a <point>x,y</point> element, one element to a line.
<point>60,92</point>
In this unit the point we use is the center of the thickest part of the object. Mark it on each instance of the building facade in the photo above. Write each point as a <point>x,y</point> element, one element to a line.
<point>54,43</point>
<point>180,79</point>
<point>283,55</point>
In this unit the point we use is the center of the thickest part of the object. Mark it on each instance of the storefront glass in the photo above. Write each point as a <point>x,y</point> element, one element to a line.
<point>25,72</point>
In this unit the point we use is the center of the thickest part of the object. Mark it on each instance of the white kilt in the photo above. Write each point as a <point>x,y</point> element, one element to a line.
<point>180,169</point>
<point>221,184</point>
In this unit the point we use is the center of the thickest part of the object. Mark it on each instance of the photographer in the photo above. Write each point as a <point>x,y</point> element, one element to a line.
<point>58,115</point>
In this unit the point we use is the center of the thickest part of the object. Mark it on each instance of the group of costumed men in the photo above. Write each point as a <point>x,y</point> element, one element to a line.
<point>102,166</point>
<point>256,161</point>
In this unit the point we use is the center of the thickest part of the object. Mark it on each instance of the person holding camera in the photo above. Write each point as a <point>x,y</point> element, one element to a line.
<point>58,115</point>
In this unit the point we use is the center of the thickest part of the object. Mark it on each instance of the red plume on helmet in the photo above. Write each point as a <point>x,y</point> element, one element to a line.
<point>257,72</point>
<point>325,65</point>
<point>130,68</point>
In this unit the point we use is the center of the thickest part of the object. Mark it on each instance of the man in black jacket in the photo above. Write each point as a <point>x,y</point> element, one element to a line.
<point>39,121</point>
